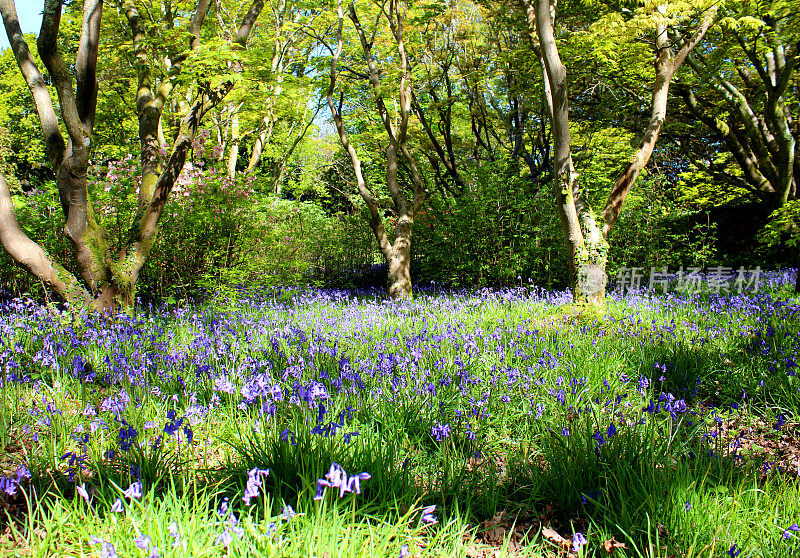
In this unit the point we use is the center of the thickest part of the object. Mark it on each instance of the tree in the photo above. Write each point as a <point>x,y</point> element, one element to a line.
<point>103,280</point>
<point>397,253</point>
<point>586,238</point>
<point>742,93</point>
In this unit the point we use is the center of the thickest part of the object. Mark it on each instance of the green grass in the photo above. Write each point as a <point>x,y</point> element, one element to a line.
<point>521,455</point>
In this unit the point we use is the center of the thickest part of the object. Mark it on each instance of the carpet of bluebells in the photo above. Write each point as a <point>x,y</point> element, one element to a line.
<point>329,423</point>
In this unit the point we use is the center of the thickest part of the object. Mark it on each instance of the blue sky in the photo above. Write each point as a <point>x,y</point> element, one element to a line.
<point>30,18</point>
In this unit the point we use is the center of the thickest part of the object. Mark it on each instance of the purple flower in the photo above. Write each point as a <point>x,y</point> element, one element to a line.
<point>23,473</point>
<point>134,491</point>
<point>117,506</point>
<point>127,435</point>
<point>254,480</point>
<point>321,485</point>
<point>81,490</point>
<point>440,431</point>
<point>733,551</point>
<point>687,506</point>
<point>172,528</point>
<point>337,477</point>
<point>7,485</point>
<point>404,552</point>
<point>107,549</point>
<point>427,515</point>
<point>224,539</point>
<point>142,542</point>
<point>288,512</point>
<point>578,540</point>
<point>787,532</point>
<point>354,482</point>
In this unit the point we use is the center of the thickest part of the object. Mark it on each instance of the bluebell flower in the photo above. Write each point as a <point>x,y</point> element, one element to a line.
<point>107,549</point>
<point>134,491</point>
<point>254,481</point>
<point>117,506</point>
<point>172,529</point>
<point>440,431</point>
<point>288,512</point>
<point>354,482</point>
<point>578,541</point>
<point>224,539</point>
<point>81,490</point>
<point>427,515</point>
<point>787,533</point>
<point>142,542</point>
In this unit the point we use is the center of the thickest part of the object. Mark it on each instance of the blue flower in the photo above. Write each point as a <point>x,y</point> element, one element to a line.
<point>254,481</point>
<point>107,549</point>
<point>354,482</point>
<point>440,431</point>
<point>172,529</point>
<point>578,541</point>
<point>427,515</point>
<point>134,491</point>
<point>117,506</point>
<point>733,551</point>
<point>288,513</point>
<point>81,490</point>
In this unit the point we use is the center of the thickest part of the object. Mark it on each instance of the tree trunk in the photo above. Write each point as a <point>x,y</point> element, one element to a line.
<point>31,257</point>
<point>588,249</point>
<point>397,255</point>
<point>589,267</point>
<point>263,138</point>
<point>400,261</point>
<point>233,156</point>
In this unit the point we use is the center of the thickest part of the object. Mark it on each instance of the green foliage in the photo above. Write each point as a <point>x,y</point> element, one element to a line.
<point>656,230</point>
<point>501,229</point>
<point>783,227</point>
<point>21,146</point>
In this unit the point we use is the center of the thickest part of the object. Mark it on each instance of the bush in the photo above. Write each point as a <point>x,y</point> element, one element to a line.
<point>500,231</point>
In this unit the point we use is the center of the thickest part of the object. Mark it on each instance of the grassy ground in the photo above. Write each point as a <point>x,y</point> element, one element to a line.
<point>668,426</point>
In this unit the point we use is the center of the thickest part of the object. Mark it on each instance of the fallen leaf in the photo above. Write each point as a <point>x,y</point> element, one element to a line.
<point>552,536</point>
<point>611,545</point>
